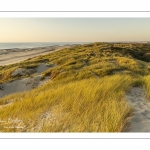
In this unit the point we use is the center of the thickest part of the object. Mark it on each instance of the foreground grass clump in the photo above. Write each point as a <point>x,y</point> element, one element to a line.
<point>91,105</point>
<point>146,84</point>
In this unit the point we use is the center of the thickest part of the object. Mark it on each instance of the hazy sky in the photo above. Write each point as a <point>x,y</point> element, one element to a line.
<point>74,29</point>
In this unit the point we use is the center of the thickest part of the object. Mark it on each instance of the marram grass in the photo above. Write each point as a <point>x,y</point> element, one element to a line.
<point>90,105</point>
<point>146,83</point>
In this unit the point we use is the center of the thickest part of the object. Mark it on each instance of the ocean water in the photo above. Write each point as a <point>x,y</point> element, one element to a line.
<point>32,45</point>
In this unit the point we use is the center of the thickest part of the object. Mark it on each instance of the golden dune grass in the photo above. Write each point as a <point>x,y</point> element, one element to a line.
<point>92,105</point>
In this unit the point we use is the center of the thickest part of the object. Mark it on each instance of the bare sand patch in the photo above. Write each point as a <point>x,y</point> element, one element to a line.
<point>140,120</point>
<point>22,85</point>
<point>43,67</point>
<point>19,72</point>
<point>37,70</point>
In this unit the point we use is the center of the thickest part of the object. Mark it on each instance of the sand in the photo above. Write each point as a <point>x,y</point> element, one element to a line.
<point>140,120</point>
<point>25,84</point>
<point>11,56</point>
<point>21,85</point>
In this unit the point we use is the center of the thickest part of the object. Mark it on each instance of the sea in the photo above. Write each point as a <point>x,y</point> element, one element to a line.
<point>36,44</point>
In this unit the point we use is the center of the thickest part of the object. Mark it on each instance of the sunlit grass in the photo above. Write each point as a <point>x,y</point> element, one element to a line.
<point>146,83</point>
<point>92,105</point>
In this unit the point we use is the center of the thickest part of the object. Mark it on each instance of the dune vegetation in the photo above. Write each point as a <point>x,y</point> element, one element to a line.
<point>85,93</point>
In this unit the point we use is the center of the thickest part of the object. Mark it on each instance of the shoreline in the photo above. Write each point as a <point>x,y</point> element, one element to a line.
<point>16,55</point>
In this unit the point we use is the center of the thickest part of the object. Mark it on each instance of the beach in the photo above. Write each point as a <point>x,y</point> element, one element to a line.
<point>11,56</point>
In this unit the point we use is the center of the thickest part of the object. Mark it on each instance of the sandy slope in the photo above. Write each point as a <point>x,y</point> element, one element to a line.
<point>140,121</point>
<point>25,84</point>
<point>16,55</point>
<point>22,85</point>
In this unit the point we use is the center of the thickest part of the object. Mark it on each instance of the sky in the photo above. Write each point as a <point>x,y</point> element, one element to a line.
<point>74,29</point>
